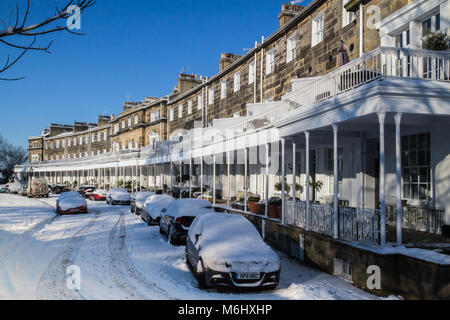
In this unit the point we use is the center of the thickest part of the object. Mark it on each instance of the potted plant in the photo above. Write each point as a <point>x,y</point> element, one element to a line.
<point>279,187</point>
<point>436,41</point>
<point>253,203</point>
<point>274,208</point>
<point>316,186</point>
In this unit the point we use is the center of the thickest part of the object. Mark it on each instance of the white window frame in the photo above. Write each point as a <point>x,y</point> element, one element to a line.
<point>129,122</point>
<point>318,26</point>
<point>223,89</point>
<point>347,17</point>
<point>171,114</point>
<point>199,102</point>
<point>180,111</point>
<point>291,47</point>
<point>237,81</point>
<point>211,96</point>
<point>136,119</point>
<point>189,107</point>
<point>252,72</point>
<point>270,61</point>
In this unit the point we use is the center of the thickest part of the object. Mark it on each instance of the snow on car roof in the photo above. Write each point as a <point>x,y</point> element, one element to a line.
<point>223,227</point>
<point>189,207</point>
<point>69,194</point>
<point>118,190</point>
<point>142,195</point>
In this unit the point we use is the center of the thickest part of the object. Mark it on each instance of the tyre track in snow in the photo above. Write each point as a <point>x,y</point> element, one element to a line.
<point>13,246</point>
<point>52,284</point>
<point>121,267</point>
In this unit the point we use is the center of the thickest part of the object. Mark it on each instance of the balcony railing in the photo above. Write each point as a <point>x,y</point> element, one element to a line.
<point>361,226</point>
<point>428,220</point>
<point>379,64</point>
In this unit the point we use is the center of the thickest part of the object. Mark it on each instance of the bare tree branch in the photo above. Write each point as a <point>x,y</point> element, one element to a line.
<point>44,27</point>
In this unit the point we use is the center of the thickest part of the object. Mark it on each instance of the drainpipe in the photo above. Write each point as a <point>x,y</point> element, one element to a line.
<point>361,29</point>
<point>262,69</point>
<point>254,80</point>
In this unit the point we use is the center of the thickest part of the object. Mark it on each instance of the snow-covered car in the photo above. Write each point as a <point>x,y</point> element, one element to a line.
<point>177,218</point>
<point>151,211</point>
<point>98,195</point>
<point>71,202</point>
<point>14,187</point>
<point>138,199</point>
<point>3,188</point>
<point>118,196</point>
<point>226,251</point>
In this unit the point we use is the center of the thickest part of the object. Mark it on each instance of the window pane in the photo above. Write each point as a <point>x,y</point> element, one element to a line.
<point>413,158</point>
<point>405,162</point>
<point>422,158</point>
<point>414,191</point>
<point>428,160</point>
<point>407,191</point>
<point>412,142</point>
<point>405,143</point>
<point>438,22</point>
<point>423,192</point>
<point>414,175</point>
<point>428,137</point>
<point>423,175</point>
<point>422,140</point>
<point>407,175</point>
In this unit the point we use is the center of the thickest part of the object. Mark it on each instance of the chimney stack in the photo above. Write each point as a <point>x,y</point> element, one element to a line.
<point>186,82</point>
<point>226,59</point>
<point>288,11</point>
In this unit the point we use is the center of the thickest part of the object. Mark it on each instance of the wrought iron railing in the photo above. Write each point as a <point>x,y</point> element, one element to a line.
<point>428,220</point>
<point>355,225</point>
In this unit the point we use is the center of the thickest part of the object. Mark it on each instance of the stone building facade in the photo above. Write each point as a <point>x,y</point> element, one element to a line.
<point>305,46</point>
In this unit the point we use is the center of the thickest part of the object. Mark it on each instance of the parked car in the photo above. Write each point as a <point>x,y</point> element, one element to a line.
<point>138,199</point>
<point>59,189</point>
<point>98,195</point>
<point>226,251</point>
<point>71,203</point>
<point>3,188</point>
<point>14,187</point>
<point>118,196</point>
<point>88,191</point>
<point>38,188</point>
<point>83,189</point>
<point>177,218</point>
<point>151,211</point>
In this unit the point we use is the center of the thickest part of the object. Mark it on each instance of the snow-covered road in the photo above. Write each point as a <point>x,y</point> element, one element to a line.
<point>120,257</point>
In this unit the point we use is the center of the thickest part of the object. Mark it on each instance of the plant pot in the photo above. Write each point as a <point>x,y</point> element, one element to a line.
<point>274,212</point>
<point>256,208</point>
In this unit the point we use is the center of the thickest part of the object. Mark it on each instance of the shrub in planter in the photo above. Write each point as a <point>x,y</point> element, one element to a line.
<point>252,203</point>
<point>257,207</point>
<point>436,41</point>
<point>274,208</point>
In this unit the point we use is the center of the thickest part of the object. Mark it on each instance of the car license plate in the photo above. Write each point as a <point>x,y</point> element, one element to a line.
<point>248,276</point>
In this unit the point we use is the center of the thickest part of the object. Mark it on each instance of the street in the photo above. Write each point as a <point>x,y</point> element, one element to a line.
<point>119,257</point>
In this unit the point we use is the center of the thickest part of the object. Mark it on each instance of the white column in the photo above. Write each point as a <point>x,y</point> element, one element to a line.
<point>214,179</point>
<point>154,176</point>
<point>190,177</point>
<point>336,183</point>
<point>181,176</point>
<point>162,175</point>
<point>398,138</point>
<point>283,179</point>
<point>294,171</point>
<point>267,181</point>
<point>246,179</point>
<point>307,186</point>
<point>382,118</point>
<point>201,175</point>
<point>229,178</point>
<point>171,175</point>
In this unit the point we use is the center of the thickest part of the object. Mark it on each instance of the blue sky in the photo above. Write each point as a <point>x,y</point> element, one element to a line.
<point>132,49</point>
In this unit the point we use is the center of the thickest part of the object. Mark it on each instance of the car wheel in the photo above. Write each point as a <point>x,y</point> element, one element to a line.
<point>201,279</point>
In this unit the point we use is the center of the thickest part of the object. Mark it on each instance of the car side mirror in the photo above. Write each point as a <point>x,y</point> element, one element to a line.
<point>164,210</point>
